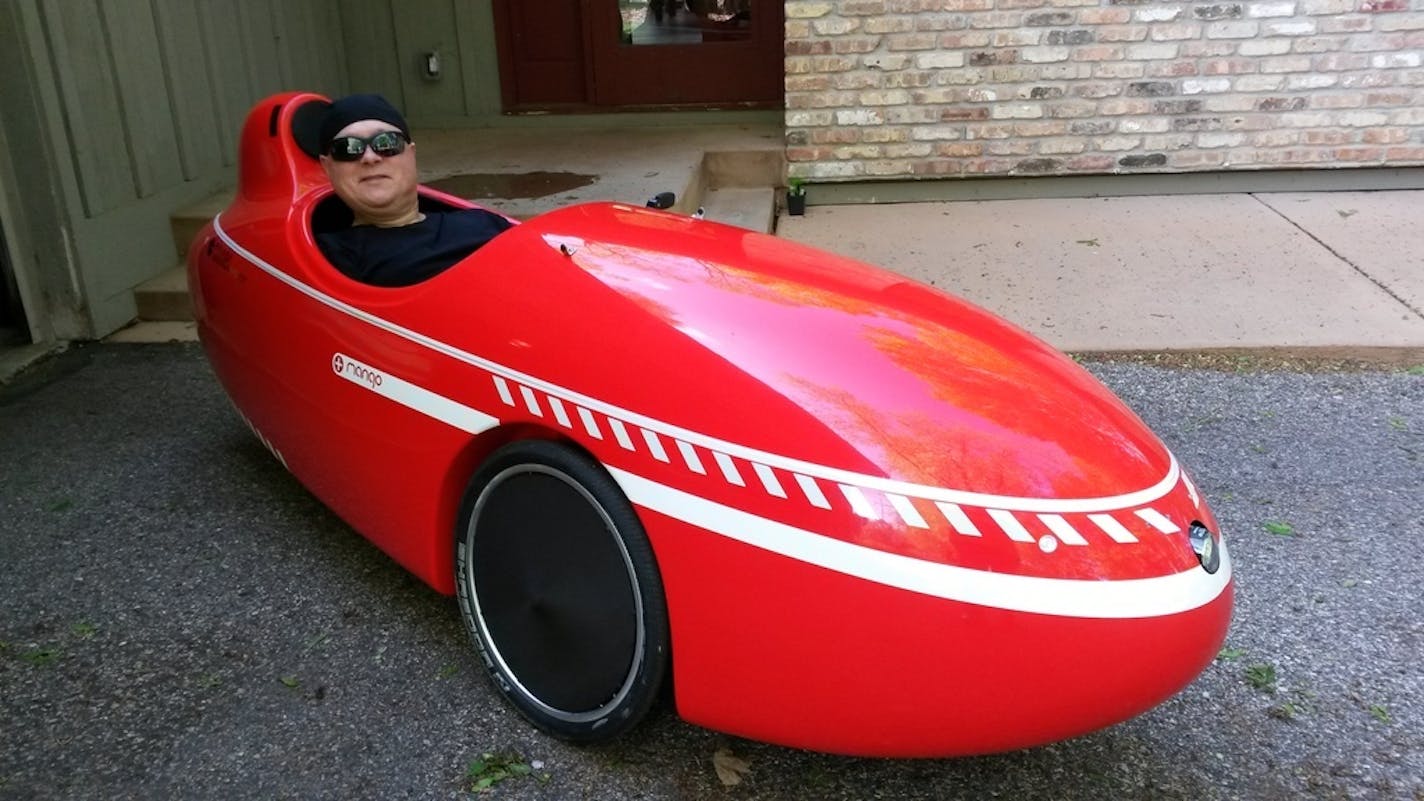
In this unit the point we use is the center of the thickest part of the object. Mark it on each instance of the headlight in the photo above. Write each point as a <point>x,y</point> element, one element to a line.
<point>1205,546</point>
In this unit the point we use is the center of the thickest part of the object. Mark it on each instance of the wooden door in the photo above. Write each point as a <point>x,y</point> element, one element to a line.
<point>542,61</point>
<point>630,54</point>
<point>687,52</point>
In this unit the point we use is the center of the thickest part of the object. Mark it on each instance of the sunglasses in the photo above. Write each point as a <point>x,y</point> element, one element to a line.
<point>352,148</point>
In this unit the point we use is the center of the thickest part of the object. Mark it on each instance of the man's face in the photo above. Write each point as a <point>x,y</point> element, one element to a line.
<point>380,190</point>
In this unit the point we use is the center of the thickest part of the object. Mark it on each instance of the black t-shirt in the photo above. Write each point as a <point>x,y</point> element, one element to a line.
<point>411,253</point>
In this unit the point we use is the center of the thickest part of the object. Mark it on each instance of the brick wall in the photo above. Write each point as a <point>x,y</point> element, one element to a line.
<point>900,89</point>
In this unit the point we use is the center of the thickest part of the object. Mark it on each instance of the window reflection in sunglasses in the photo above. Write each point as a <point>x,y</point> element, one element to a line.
<point>385,144</point>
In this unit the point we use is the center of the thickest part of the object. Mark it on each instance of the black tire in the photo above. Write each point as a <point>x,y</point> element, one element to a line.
<point>560,591</point>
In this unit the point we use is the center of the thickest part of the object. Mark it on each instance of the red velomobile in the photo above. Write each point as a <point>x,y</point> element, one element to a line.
<point>846,511</point>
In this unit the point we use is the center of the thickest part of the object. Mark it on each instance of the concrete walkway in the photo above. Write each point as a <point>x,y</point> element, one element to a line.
<point>1339,272</point>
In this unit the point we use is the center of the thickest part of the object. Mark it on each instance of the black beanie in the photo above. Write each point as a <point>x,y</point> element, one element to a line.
<point>354,108</point>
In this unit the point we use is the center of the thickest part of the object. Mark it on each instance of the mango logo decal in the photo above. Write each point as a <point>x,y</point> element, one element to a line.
<point>352,370</point>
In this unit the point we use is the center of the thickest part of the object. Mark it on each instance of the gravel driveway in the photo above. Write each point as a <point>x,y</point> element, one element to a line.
<point>179,619</point>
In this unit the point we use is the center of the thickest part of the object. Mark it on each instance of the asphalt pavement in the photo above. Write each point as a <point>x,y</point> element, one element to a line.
<point>179,619</point>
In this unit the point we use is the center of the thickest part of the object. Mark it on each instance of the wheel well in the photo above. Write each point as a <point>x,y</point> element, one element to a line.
<point>463,468</point>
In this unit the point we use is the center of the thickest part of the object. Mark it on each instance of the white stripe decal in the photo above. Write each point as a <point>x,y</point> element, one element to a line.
<point>1157,520</point>
<point>812,491</point>
<point>729,470</point>
<point>1132,598</point>
<point>908,512</point>
<point>655,446</point>
<point>559,413</point>
<point>689,455</point>
<point>1112,528</point>
<point>589,424</point>
<point>409,395</point>
<point>620,433</point>
<point>768,480</point>
<point>502,387</point>
<point>958,519</point>
<point>1135,499</point>
<point>1191,489</point>
<point>1010,525</point>
<point>858,502</point>
<point>1065,531</point>
<point>531,402</point>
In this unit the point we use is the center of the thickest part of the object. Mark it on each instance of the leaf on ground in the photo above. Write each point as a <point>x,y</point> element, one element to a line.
<point>290,682</point>
<point>1279,529</point>
<point>1092,243</point>
<point>729,768</point>
<point>1347,213</point>
<point>490,769</point>
<point>1262,677</point>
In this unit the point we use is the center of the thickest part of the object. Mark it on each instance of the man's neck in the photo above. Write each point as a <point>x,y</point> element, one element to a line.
<point>409,218</point>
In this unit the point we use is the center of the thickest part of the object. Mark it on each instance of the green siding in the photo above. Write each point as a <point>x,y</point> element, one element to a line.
<point>142,102</point>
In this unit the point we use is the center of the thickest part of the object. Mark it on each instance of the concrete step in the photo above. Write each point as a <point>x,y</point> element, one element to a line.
<point>187,222</point>
<point>754,209</point>
<point>165,297</point>
<point>141,332</point>
<point>744,169</point>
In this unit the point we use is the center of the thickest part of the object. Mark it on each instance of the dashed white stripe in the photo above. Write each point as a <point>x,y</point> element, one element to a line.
<point>620,433</point>
<point>904,506</point>
<point>1112,528</point>
<point>1010,525</point>
<point>729,469</point>
<point>655,446</point>
<point>812,491</point>
<point>502,387</point>
<point>559,413</point>
<point>858,502</point>
<point>958,519</point>
<point>768,480</point>
<point>689,456</point>
<point>469,419</point>
<point>1063,529</point>
<point>1125,599</point>
<point>1157,520</point>
<point>907,511</point>
<point>589,424</point>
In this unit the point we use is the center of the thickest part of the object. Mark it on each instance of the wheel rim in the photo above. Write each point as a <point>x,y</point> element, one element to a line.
<point>554,592</point>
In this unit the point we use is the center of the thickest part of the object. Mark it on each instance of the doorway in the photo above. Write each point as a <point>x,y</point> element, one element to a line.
<point>14,330</point>
<point>607,55</point>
